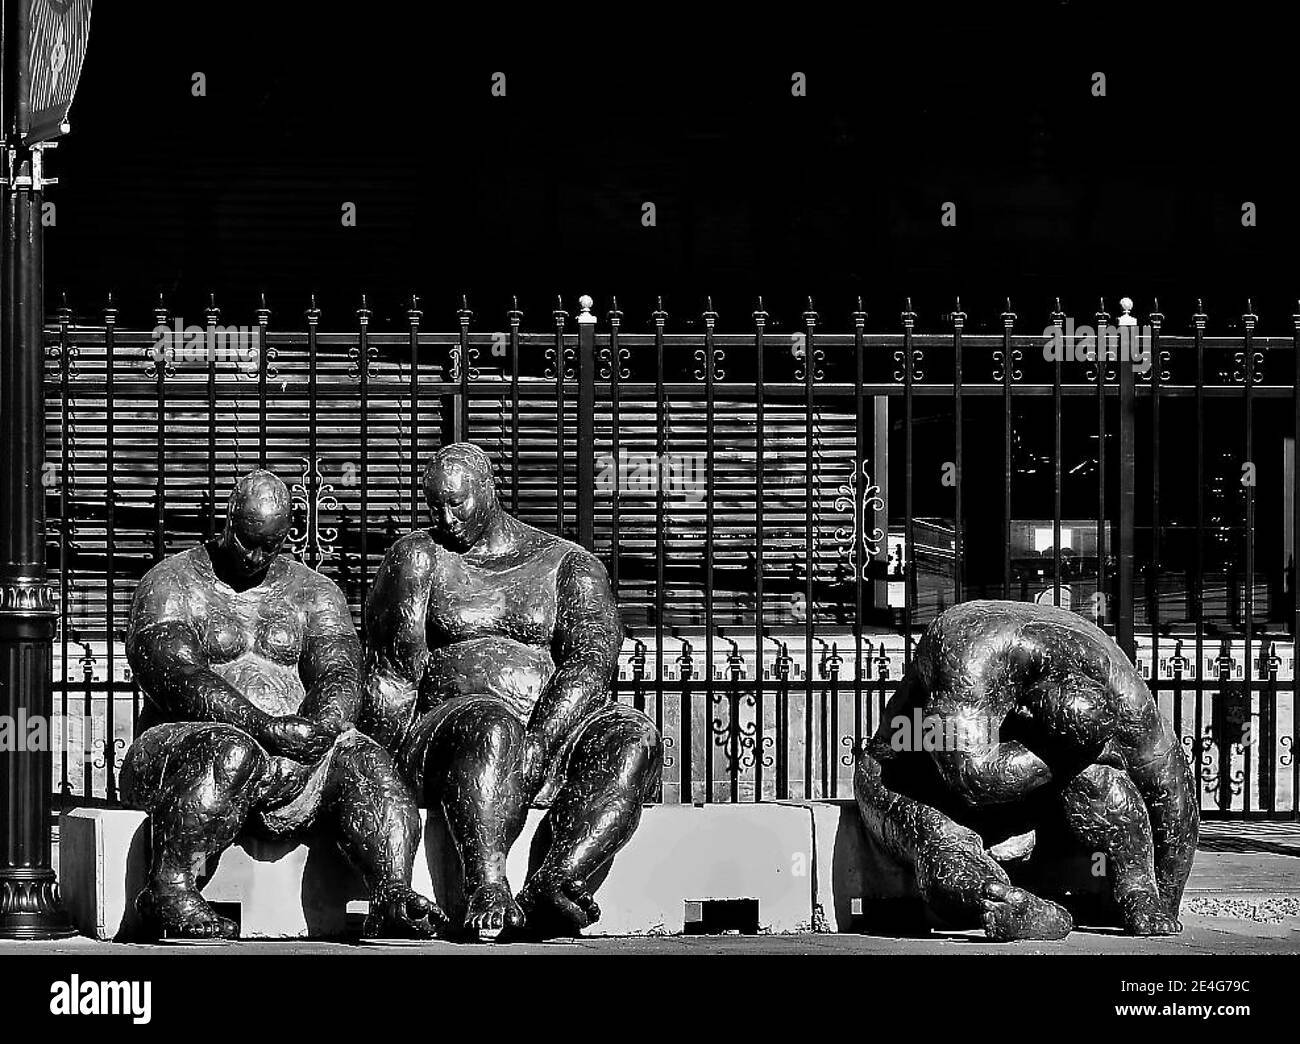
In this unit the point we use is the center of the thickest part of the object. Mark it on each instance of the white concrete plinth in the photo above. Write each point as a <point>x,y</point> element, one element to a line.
<point>678,855</point>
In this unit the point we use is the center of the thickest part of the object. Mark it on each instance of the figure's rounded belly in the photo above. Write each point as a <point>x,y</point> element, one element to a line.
<point>272,687</point>
<point>502,667</point>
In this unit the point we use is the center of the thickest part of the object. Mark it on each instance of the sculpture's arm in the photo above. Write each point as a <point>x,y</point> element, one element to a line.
<point>588,635</point>
<point>330,665</point>
<point>167,658</point>
<point>396,645</point>
<point>980,770</point>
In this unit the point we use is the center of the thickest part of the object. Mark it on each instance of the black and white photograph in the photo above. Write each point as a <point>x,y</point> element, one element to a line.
<point>486,485</point>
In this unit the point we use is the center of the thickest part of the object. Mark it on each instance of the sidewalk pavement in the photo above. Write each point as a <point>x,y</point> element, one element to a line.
<point>1243,896</point>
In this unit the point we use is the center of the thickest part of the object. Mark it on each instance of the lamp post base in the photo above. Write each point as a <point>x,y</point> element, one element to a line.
<point>30,907</point>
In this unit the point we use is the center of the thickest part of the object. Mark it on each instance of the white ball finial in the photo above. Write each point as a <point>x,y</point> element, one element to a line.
<point>585,302</point>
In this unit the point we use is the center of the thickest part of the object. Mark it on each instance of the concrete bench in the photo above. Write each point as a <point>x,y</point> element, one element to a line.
<point>778,867</point>
<point>680,859</point>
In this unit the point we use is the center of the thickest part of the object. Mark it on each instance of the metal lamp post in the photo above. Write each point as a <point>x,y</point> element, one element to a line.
<point>43,45</point>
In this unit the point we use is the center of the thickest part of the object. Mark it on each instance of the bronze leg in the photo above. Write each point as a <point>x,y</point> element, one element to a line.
<point>1104,810</point>
<point>958,879</point>
<point>473,766</point>
<point>379,830</point>
<point>612,771</point>
<point>198,785</point>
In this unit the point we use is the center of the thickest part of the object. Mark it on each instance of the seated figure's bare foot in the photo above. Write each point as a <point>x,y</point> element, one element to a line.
<point>491,907</point>
<point>1145,913</point>
<point>1013,913</point>
<point>179,912</point>
<point>556,905</point>
<point>400,912</point>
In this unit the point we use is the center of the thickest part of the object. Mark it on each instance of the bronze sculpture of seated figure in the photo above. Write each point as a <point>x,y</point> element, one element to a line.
<point>250,666</point>
<point>1040,723</point>
<point>491,648</point>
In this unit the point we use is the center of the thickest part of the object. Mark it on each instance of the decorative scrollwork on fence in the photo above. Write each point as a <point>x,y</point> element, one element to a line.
<point>605,358</point>
<point>918,374</point>
<point>668,743</point>
<point>719,356</point>
<point>862,504</point>
<point>1287,743</point>
<point>1091,373</point>
<point>736,740</point>
<point>999,360</point>
<point>818,357</point>
<point>372,356</point>
<point>569,357</point>
<point>453,354</point>
<point>1257,368</point>
<point>156,355</point>
<point>311,541</point>
<point>108,758</point>
<point>1160,364</point>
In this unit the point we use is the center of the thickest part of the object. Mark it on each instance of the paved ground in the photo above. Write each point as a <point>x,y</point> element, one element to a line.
<point>1243,897</point>
<point>1201,935</point>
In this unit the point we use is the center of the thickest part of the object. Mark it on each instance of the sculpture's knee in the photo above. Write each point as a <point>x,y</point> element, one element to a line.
<point>235,757</point>
<point>626,745</point>
<point>502,734</point>
<point>368,780</point>
<point>1096,785</point>
<point>640,756</point>
<point>487,732</point>
<point>1102,804</point>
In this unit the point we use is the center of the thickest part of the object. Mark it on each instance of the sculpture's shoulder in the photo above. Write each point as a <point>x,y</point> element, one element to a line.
<point>172,590</point>
<point>175,573</point>
<point>564,557</point>
<point>312,587</point>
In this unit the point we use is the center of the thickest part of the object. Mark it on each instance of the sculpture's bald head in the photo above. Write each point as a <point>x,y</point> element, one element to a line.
<point>461,494</point>
<point>258,516</point>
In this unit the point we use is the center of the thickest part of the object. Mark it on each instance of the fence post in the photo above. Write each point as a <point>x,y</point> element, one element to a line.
<point>1128,346</point>
<point>587,425</point>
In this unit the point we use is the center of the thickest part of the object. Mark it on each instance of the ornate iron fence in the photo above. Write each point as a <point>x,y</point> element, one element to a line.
<point>781,510</point>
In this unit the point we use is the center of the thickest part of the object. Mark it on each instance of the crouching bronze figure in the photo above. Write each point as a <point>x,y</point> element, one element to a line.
<point>250,667</point>
<point>491,647</point>
<point>1040,723</point>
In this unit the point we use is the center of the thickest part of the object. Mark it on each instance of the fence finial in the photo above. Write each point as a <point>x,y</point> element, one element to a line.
<point>585,318</point>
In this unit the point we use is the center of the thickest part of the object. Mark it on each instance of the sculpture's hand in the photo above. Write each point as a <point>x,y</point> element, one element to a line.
<point>299,738</point>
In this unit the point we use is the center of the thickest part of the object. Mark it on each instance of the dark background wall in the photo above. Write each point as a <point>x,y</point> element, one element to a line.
<point>538,193</point>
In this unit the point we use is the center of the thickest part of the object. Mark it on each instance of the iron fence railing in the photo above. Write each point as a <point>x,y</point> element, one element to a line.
<point>781,510</point>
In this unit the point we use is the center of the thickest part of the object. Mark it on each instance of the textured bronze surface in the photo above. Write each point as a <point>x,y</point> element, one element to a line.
<point>251,669</point>
<point>1062,735</point>
<point>491,650</point>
